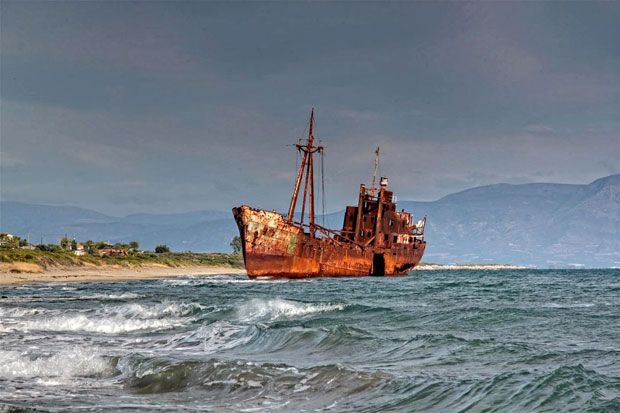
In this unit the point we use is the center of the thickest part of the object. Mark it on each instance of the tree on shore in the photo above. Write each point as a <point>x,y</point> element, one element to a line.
<point>66,243</point>
<point>236,244</point>
<point>160,249</point>
<point>134,245</point>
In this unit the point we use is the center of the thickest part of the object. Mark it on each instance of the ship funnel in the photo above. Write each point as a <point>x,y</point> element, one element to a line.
<point>384,182</point>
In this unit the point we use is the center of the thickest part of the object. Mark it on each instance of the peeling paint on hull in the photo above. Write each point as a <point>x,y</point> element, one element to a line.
<point>274,248</point>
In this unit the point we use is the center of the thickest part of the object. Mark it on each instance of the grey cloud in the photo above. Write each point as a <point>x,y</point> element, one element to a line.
<point>177,106</point>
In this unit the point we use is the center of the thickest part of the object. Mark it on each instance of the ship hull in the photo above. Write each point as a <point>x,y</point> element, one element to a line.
<point>273,247</point>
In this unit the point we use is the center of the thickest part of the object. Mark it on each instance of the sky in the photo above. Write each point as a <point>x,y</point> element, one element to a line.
<point>160,107</point>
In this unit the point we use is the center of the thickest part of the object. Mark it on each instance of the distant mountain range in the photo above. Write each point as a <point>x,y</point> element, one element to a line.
<point>545,225</point>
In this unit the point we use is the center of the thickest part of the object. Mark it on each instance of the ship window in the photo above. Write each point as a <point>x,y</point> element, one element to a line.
<point>385,237</point>
<point>395,238</point>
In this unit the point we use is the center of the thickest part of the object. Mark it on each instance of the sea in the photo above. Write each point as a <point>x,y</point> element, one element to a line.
<point>433,341</point>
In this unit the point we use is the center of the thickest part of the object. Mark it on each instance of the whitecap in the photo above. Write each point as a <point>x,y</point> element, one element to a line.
<point>17,312</point>
<point>574,305</point>
<point>274,309</point>
<point>103,297</point>
<point>198,281</point>
<point>163,309</point>
<point>80,322</point>
<point>109,319</point>
<point>65,364</point>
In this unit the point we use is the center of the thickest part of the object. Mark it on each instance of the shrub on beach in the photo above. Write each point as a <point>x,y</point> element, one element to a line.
<point>160,249</point>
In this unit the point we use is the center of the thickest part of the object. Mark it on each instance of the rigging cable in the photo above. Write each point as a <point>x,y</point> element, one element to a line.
<point>323,186</point>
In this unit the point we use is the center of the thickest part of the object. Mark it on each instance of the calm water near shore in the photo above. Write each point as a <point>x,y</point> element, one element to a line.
<point>506,340</point>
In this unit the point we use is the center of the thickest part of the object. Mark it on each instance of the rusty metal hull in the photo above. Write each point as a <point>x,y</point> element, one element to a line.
<point>272,247</point>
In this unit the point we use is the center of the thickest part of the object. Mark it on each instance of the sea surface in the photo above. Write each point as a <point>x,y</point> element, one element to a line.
<point>438,341</point>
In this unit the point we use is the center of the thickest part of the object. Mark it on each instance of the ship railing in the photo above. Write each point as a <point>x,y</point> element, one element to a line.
<point>330,233</point>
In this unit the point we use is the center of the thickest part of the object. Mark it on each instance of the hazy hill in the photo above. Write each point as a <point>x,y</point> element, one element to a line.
<point>535,224</point>
<point>541,224</point>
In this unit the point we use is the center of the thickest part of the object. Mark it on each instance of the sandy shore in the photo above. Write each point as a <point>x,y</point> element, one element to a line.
<point>96,274</point>
<point>24,273</point>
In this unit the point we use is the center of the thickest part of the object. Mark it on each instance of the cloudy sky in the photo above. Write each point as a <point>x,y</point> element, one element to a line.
<point>175,106</point>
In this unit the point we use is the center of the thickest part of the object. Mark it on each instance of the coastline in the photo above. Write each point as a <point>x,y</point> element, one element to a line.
<point>490,267</point>
<point>104,273</point>
<point>19,273</point>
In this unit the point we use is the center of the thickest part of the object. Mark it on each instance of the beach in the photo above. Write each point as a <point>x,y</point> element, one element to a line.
<point>26,273</point>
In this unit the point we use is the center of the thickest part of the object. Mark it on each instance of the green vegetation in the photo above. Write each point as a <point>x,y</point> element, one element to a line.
<point>236,244</point>
<point>161,249</point>
<point>69,253</point>
<point>56,257</point>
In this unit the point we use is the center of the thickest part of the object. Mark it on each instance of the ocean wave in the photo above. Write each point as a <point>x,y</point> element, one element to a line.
<point>240,384</point>
<point>61,298</point>
<point>111,297</point>
<point>124,318</point>
<point>198,281</point>
<point>570,385</point>
<point>343,337</point>
<point>220,279</point>
<point>159,310</point>
<point>75,362</point>
<point>83,323</point>
<point>17,312</point>
<point>568,305</point>
<point>218,336</point>
<point>277,309</point>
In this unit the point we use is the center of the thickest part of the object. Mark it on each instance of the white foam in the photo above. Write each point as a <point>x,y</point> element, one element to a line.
<point>16,312</point>
<point>574,305</point>
<point>100,297</point>
<point>164,309</point>
<point>274,309</point>
<point>197,281</point>
<point>122,296</point>
<point>68,363</point>
<point>109,319</point>
<point>81,322</point>
<point>219,279</point>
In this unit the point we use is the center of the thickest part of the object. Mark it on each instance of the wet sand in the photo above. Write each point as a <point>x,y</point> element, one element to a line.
<point>27,274</point>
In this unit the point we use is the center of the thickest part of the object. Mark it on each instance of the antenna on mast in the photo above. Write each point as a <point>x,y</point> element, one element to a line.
<point>374,174</point>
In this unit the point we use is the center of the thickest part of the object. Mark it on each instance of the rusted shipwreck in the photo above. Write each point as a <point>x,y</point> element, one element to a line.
<point>375,238</point>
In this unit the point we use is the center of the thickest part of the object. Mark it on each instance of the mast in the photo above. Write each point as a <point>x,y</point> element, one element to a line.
<point>300,172</point>
<point>311,172</point>
<point>374,174</point>
<point>307,163</point>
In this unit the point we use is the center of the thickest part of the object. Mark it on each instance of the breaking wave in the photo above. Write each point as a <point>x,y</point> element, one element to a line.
<point>74,362</point>
<point>125,318</point>
<point>276,309</point>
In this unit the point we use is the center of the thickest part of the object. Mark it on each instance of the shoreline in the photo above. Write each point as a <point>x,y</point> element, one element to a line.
<point>490,267</point>
<point>106,273</point>
<point>26,273</point>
